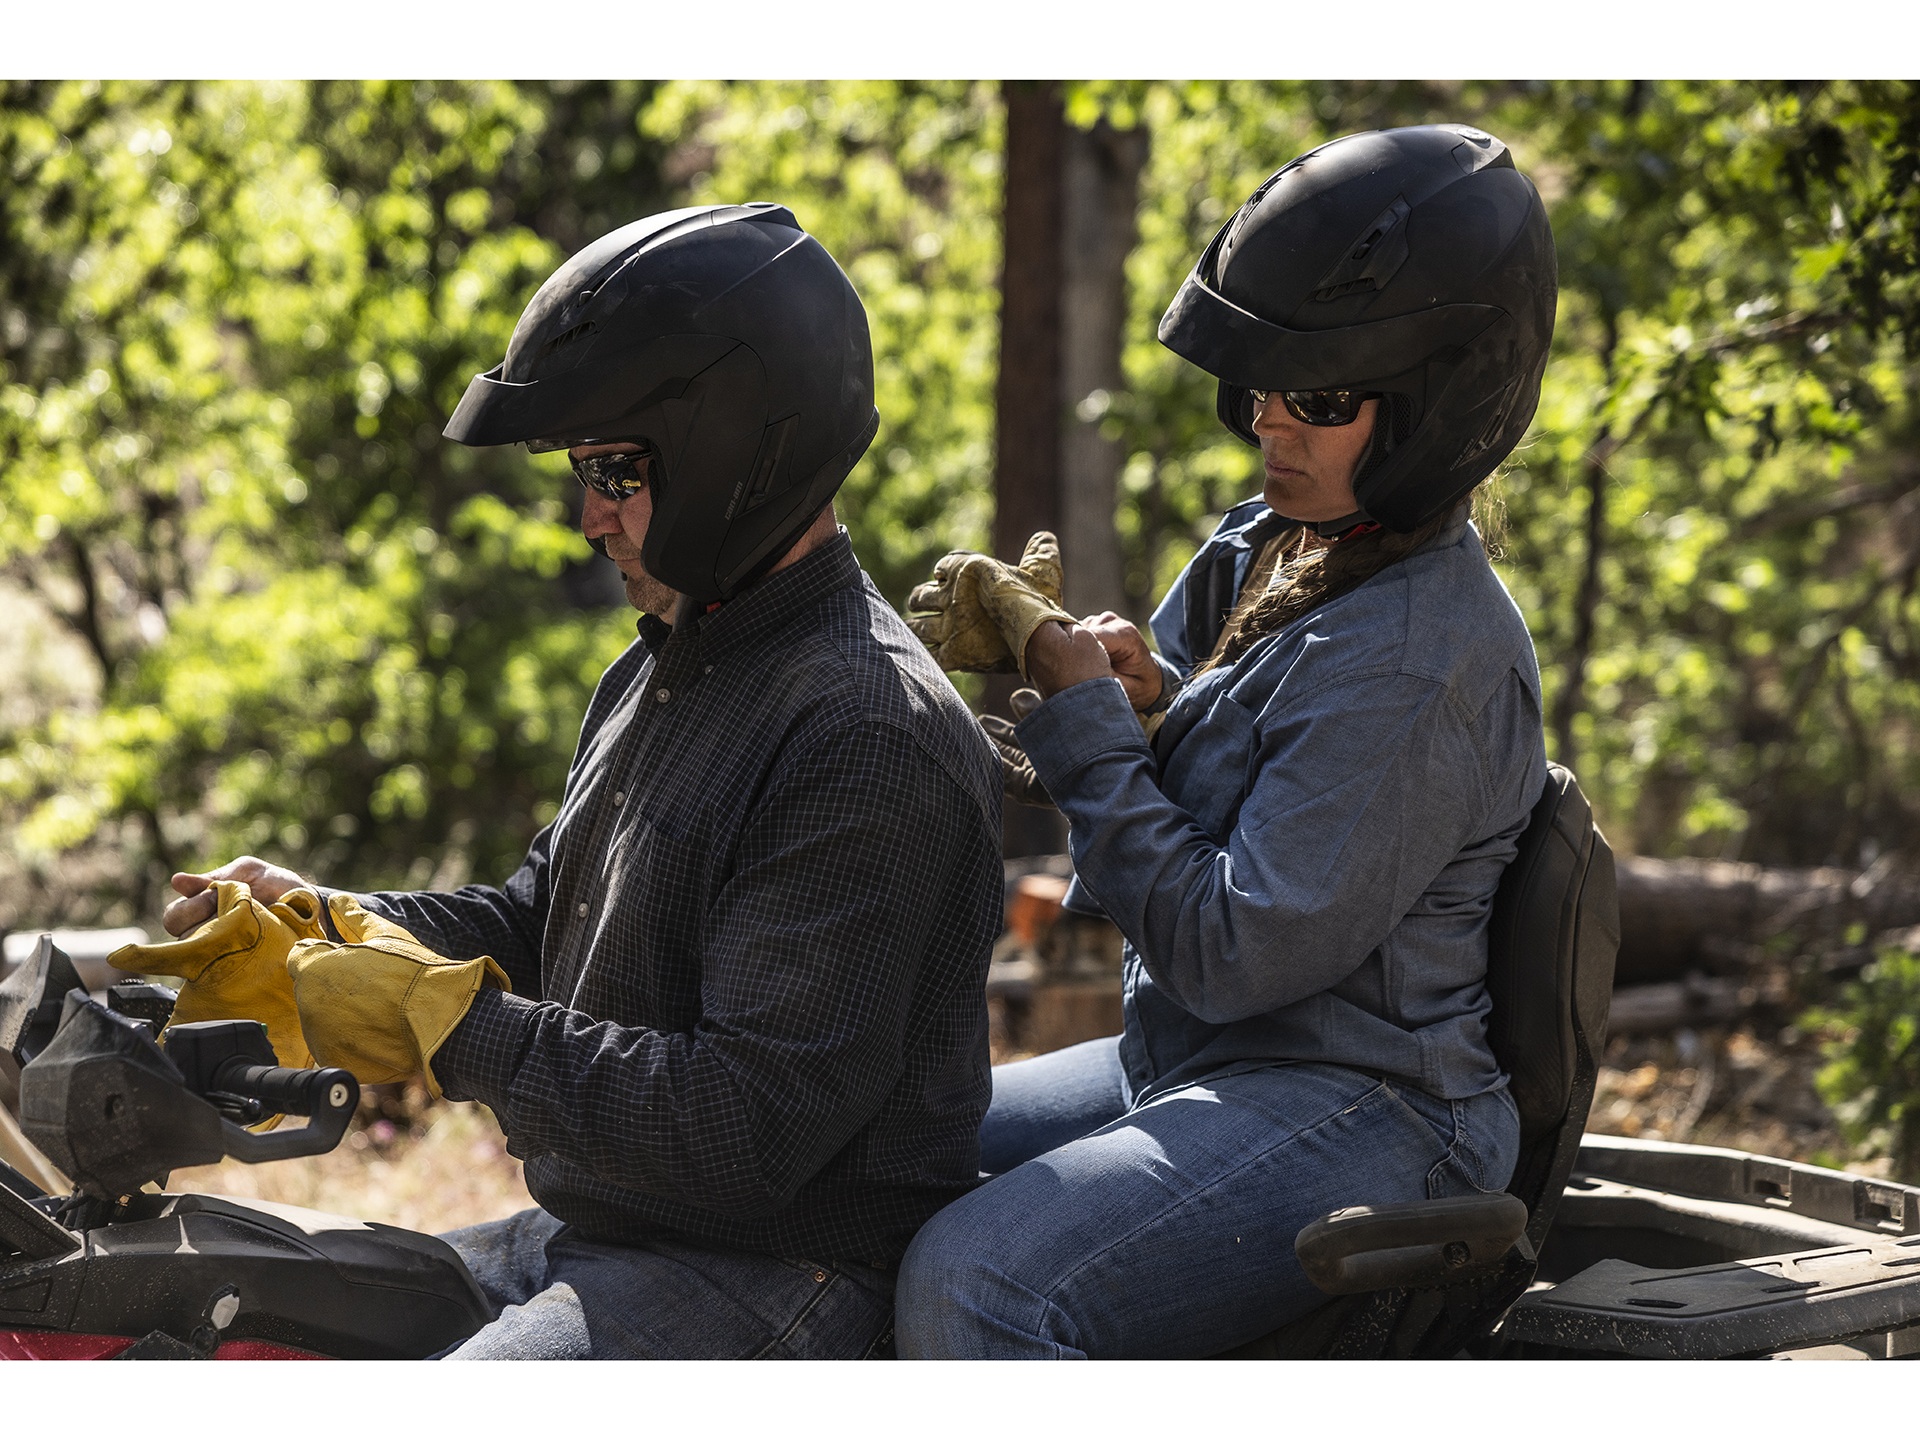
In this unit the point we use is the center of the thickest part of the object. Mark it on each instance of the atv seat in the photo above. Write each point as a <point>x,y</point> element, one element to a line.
<point>1423,1278</point>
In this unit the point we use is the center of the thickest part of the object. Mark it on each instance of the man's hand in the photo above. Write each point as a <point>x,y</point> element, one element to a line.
<point>1133,663</point>
<point>267,882</point>
<point>1060,656</point>
<point>380,1003</point>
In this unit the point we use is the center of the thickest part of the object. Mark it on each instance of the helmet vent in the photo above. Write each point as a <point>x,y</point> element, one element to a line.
<point>1489,434</point>
<point>769,474</point>
<point>1372,260</point>
<point>567,337</point>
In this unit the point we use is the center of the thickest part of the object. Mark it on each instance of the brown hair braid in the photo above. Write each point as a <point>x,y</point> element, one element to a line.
<point>1313,577</point>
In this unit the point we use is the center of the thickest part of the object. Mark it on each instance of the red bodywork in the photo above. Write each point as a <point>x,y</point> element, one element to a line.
<point>59,1345</point>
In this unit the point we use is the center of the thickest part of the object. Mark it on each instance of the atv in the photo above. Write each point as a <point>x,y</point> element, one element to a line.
<point>116,1270</point>
<point>1599,1247</point>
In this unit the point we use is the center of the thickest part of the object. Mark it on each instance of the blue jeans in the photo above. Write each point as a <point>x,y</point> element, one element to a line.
<point>1166,1229</point>
<point>559,1296</point>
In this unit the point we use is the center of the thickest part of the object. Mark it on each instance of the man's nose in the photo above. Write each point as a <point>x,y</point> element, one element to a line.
<point>599,516</point>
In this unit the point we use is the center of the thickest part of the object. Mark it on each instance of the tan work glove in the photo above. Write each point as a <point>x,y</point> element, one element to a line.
<point>977,613</point>
<point>381,1004</point>
<point>235,965</point>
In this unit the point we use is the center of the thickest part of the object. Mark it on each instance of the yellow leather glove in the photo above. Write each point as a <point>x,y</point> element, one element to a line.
<point>235,965</point>
<point>381,1003</point>
<point>977,613</point>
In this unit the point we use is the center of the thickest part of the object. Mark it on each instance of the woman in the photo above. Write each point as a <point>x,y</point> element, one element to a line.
<point>1303,856</point>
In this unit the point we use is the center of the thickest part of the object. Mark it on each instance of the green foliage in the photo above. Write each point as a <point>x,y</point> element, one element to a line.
<point>1872,1074</point>
<point>1732,382</point>
<point>233,318</point>
<point>901,183</point>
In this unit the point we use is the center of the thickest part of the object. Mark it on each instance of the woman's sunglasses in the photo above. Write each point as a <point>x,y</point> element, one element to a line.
<point>618,477</point>
<point>1318,407</point>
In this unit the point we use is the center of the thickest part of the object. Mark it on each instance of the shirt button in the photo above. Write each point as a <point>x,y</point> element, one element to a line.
<point>583,909</point>
<point>663,695</point>
<point>619,797</point>
<point>707,671</point>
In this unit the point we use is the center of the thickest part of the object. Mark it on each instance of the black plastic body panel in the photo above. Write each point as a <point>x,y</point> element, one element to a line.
<point>1693,1252</point>
<point>1721,1312</point>
<point>334,1286</point>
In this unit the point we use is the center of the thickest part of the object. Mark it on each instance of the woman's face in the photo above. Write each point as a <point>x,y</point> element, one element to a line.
<point>1310,468</point>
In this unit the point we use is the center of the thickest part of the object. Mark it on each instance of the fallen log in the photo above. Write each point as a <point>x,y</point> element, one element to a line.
<point>1681,916</point>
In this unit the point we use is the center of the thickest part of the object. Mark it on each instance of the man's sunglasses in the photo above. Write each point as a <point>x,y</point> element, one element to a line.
<point>618,477</point>
<point>1318,407</point>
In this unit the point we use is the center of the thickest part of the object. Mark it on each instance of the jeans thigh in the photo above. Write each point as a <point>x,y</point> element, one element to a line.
<point>1044,1102</point>
<point>663,1300</point>
<point>1169,1232</point>
<point>507,1257</point>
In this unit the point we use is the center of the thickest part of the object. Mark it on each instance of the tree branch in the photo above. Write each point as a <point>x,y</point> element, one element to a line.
<point>87,622</point>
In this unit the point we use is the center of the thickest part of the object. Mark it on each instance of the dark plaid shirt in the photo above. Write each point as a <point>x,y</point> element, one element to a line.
<point>748,956</point>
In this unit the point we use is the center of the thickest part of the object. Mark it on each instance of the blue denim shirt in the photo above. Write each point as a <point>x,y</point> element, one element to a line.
<point>1303,860</point>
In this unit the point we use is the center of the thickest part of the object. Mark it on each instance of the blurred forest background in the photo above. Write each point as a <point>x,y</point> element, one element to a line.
<point>253,602</point>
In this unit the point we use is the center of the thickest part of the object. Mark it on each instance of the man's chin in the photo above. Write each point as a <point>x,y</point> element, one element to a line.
<point>650,597</point>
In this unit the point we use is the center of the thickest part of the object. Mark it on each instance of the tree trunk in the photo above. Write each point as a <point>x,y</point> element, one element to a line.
<point>1027,393</point>
<point>1102,185</point>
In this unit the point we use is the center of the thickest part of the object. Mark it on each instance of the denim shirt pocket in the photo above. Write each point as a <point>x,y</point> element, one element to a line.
<point>1207,774</point>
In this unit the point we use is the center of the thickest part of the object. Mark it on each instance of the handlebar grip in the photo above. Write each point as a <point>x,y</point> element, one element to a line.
<point>318,1092</point>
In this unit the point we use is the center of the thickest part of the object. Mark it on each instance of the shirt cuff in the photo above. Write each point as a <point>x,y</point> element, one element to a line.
<point>1077,725</point>
<point>1171,679</point>
<point>480,1058</point>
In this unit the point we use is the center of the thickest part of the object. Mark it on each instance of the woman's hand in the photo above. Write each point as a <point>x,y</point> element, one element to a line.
<point>267,882</point>
<point>1060,656</point>
<point>1127,652</point>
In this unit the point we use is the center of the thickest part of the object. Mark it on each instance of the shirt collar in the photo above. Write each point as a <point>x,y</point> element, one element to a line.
<point>775,601</point>
<point>654,633</point>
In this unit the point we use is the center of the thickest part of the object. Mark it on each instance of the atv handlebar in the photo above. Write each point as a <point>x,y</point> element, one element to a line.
<point>327,1096</point>
<point>289,1092</point>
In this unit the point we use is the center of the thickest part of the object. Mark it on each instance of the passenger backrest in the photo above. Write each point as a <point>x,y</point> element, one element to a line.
<point>1551,943</point>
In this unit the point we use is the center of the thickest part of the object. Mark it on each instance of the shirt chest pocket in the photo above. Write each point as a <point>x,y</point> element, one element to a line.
<point>1208,773</point>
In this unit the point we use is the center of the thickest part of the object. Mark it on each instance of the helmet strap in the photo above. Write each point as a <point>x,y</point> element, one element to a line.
<point>1345,528</point>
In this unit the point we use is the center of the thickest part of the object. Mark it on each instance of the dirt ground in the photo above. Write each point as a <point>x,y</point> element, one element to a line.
<point>408,1161</point>
<point>1737,1088</point>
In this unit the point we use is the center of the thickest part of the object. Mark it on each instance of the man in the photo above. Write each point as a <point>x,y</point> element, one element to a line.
<point>744,1050</point>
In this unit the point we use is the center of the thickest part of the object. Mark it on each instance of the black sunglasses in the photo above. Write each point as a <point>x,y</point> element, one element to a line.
<point>1318,407</point>
<point>618,477</point>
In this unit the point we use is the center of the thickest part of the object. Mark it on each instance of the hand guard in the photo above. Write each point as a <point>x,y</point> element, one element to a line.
<point>977,613</point>
<point>381,1003</point>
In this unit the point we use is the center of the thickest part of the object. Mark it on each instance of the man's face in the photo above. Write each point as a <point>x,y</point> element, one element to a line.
<point>1310,468</point>
<point>622,526</point>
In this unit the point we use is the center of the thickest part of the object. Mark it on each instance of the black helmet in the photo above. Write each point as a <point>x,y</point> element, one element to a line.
<point>727,342</point>
<point>1417,263</point>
